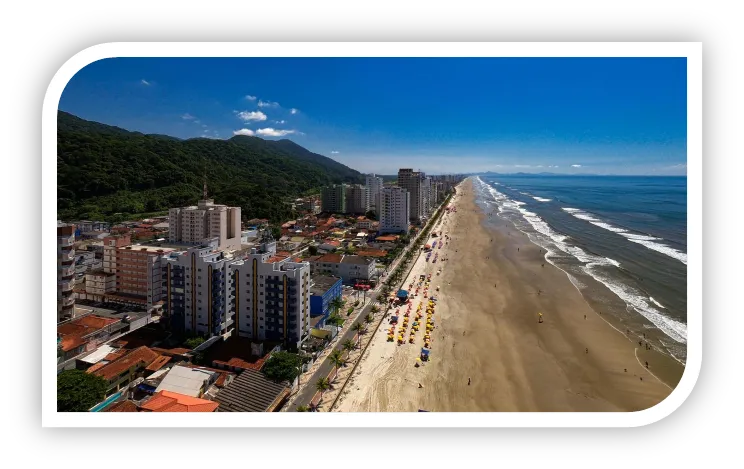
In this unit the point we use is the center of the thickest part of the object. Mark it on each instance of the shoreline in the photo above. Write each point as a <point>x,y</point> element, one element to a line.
<point>491,334</point>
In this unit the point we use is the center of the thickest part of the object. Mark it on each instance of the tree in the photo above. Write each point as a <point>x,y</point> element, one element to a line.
<point>349,345</point>
<point>193,342</point>
<point>78,391</point>
<point>322,385</point>
<point>303,408</point>
<point>371,215</point>
<point>370,318</point>
<point>282,366</point>
<point>336,304</point>
<point>358,328</point>
<point>337,359</point>
<point>313,250</point>
<point>374,310</point>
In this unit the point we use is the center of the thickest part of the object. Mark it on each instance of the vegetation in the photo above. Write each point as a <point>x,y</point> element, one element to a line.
<point>335,320</point>
<point>322,385</point>
<point>303,408</point>
<point>282,366</point>
<point>193,342</point>
<point>313,250</point>
<point>371,215</point>
<point>337,359</point>
<point>349,345</point>
<point>108,173</point>
<point>78,391</point>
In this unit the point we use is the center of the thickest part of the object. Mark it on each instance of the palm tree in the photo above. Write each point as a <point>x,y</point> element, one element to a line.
<point>336,357</point>
<point>370,318</point>
<point>303,408</point>
<point>358,328</point>
<point>348,345</point>
<point>337,304</point>
<point>322,385</point>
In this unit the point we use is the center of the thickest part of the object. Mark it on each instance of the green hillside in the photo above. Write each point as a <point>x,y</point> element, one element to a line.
<point>108,173</point>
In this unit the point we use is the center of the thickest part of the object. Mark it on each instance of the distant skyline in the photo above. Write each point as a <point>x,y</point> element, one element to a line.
<point>439,115</point>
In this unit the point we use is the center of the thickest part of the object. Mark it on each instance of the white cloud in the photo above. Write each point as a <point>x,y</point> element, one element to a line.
<point>204,125</point>
<point>280,122</point>
<point>269,132</point>
<point>576,166</point>
<point>250,116</point>
<point>248,132</point>
<point>145,82</point>
<point>539,166</point>
<point>187,117</point>
<point>267,104</point>
<point>334,152</point>
<point>250,98</point>
<point>197,121</point>
<point>522,165</point>
<point>293,111</point>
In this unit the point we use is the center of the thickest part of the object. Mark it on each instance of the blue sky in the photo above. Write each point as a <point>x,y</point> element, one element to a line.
<point>440,115</point>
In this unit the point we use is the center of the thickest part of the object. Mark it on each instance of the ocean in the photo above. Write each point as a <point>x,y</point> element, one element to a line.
<point>622,240</point>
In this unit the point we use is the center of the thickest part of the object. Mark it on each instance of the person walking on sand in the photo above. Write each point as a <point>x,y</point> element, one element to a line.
<point>468,381</point>
<point>587,350</point>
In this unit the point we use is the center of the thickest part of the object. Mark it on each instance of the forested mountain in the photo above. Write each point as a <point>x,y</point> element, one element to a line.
<point>105,172</point>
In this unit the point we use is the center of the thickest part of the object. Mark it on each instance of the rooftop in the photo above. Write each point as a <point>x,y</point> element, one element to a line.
<point>331,258</point>
<point>361,260</point>
<point>123,406</point>
<point>186,380</point>
<point>167,401</point>
<point>236,351</point>
<point>251,392</point>
<point>322,283</point>
<point>141,356</point>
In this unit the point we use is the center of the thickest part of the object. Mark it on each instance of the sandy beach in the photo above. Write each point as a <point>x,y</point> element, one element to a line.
<point>493,285</point>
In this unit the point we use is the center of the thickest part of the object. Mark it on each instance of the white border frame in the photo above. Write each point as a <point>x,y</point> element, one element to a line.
<point>691,50</point>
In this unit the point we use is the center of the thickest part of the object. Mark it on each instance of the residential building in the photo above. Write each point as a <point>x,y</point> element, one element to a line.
<point>188,381</point>
<point>251,391</point>
<point>167,401</point>
<point>198,224</point>
<point>373,185</point>
<point>85,261</point>
<point>364,223</point>
<point>350,268</point>
<point>87,226</point>
<point>356,199</point>
<point>65,272</point>
<point>120,372</point>
<point>333,198</point>
<point>325,289</point>
<point>395,210</point>
<point>99,283</point>
<point>196,291</point>
<point>138,270</point>
<point>271,295</point>
<point>413,182</point>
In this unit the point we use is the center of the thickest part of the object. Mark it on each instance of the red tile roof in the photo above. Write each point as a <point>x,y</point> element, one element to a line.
<point>158,363</point>
<point>273,259</point>
<point>72,332</point>
<point>170,351</point>
<point>141,356</point>
<point>124,406</point>
<point>97,366</point>
<point>386,238</point>
<point>331,258</point>
<point>372,253</point>
<point>168,401</point>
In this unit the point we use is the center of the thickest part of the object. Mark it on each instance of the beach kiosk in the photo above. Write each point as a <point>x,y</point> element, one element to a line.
<point>402,296</point>
<point>424,354</point>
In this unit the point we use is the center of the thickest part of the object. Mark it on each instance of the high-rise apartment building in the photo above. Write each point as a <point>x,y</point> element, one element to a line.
<point>65,272</point>
<point>373,185</point>
<point>395,210</point>
<point>271,296</point>
<point>333,199</point>
<point>412,181</point>
<point>356,199</point>
<point>198,224</point>
<point>196,291</point>
<point>137,268</point>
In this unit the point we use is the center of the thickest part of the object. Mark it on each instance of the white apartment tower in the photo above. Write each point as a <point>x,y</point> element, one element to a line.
<point>356,199</point>
<point>395,210</point>
<point>198,224</point>
<point>196,291</point>
<point>271,296</point>
<point>65,272</point>
<point>373,186</point>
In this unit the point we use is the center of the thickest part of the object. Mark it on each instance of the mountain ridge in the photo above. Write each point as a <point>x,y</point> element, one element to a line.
<point>106,172</point>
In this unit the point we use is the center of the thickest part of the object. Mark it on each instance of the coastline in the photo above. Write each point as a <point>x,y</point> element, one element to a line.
<point>493,286</point>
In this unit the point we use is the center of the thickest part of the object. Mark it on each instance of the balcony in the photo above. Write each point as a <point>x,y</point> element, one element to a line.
<point>65,256</point>
<point>65,284</point>
<point>68,301</point>
<point>65,240</point>
<point>67,271</point>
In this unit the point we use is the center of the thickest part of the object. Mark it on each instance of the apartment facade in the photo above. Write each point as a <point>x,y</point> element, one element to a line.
<point>356,199</point>
<point>271,296</point>
<point>351,269</point>
<point>65,272</point>
<point>373,185</point>
<point>198,224</point>
<point>197,290</point>
<point>412,181</point>
<point>99,283</point>
<point>395,210</point>
<point>333,198</point>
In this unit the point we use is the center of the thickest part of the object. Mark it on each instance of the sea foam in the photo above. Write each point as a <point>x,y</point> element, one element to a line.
<point>541,199</point>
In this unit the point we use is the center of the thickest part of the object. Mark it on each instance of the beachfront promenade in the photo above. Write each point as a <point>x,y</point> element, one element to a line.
<point>308,390</point>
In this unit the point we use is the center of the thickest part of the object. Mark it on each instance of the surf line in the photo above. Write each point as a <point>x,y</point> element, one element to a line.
<point>635,351</point>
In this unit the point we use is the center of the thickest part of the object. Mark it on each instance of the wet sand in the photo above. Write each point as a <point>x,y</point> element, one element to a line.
<point>493,287</point>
